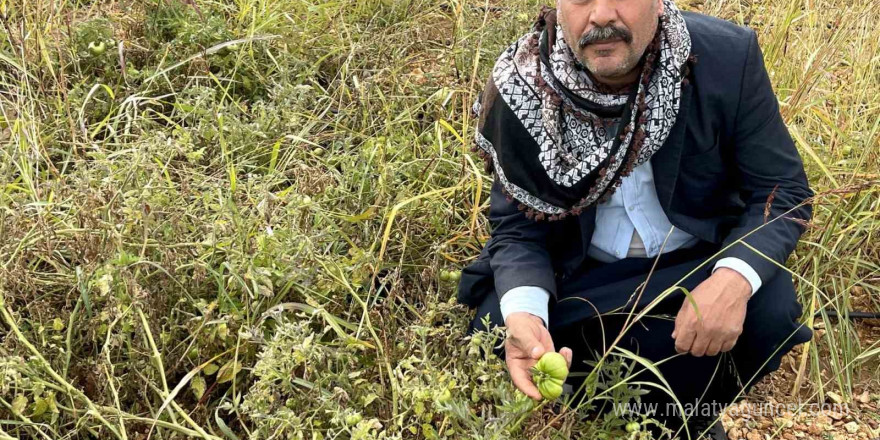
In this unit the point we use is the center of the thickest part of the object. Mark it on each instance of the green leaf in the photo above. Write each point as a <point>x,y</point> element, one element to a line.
<point>40,407</point>
<point>370,398</point>
<point>210,369</point>
<point>223,427</point>
<point>228,371</point>
<point>18,404</point>
<point>274,158</point>
<point>197,384</point>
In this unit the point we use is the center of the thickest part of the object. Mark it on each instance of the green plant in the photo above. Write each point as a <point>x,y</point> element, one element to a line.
<point>182,254</point>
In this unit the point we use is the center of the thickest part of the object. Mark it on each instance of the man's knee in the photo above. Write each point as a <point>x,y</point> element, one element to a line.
<point>774,310</point>
<point>771,328</point>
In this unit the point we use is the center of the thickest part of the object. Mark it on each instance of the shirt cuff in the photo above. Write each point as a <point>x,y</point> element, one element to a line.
<point>529,299</point>
<point>743,269</point>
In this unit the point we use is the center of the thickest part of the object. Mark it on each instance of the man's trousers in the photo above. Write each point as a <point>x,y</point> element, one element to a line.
<point>770,330</point>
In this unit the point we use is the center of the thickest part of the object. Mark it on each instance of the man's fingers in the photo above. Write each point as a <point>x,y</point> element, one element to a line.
<point>519,373</point>
<point>566,353</point>
<point>536,351</point>
<point>683,340</point>
<point>701,343</point>
<point>714,348</point>
<point>727,346</point>
<point>546,342</point>
<point>682,318</point>
<point>679,320</point>
<point>528,344</point>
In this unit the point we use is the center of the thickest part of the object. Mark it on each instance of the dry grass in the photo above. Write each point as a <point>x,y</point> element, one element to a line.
<point>244,241</point>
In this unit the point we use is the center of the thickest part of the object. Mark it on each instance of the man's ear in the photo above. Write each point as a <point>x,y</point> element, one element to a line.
<point>660,7</point>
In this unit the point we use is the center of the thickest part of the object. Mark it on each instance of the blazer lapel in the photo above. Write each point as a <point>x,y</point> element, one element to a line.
<point>587,220</point>
<point>665,161</point>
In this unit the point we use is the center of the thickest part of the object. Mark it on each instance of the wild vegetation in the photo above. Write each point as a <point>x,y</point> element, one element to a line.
<point>243,219</point>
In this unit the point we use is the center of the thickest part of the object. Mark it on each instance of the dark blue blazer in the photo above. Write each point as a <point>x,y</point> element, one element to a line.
<point>728,167</point>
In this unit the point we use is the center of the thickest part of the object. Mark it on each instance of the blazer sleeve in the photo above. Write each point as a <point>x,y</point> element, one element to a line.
<point>517,246</point>
<point>768,168</point>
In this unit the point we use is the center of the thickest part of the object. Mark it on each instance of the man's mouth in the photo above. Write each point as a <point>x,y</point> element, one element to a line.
<point>605,44</point>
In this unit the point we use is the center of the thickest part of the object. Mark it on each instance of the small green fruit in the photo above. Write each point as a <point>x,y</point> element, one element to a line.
<point>352,419</point>
<point>444,275</point>
<point>549,374</point>
<point>97,48</point>
<point>455,275</point>
<point>633,427</point>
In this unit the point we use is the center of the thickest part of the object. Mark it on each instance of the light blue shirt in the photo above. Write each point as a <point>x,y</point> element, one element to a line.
<point>634,207</point>
<point>630,224</point>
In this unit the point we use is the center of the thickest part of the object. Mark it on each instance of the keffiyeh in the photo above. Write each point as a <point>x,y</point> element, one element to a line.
<point>557,140</point>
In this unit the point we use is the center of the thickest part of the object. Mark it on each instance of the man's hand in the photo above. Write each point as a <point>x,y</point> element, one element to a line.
<point>527,340</point>
<point>721,300</point>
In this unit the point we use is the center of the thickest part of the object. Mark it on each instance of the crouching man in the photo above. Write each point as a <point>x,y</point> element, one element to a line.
<point>636,147</point>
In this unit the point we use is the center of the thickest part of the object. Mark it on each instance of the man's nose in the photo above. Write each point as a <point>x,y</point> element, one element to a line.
<point>604,13</point>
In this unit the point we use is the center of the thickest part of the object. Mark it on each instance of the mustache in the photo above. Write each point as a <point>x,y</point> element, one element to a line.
<point>599,34</point>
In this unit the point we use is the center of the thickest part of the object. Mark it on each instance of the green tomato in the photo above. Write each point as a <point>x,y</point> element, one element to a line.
<point>550,388</point>
<point>353,419</point>
<point>549,374</point>
<point>554,365</point>
<point>97,49</point>
<point>633,427</point>
<point>455,275</point>
<point>444,275</point>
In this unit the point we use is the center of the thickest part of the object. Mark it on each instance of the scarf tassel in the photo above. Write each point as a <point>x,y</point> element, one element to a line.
<point>488,163</point>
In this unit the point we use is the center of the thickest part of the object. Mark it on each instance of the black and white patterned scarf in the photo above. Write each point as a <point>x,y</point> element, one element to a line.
<point>545,127</point>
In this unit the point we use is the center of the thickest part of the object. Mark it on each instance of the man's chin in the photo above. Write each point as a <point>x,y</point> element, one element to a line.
<point>605,70</point>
